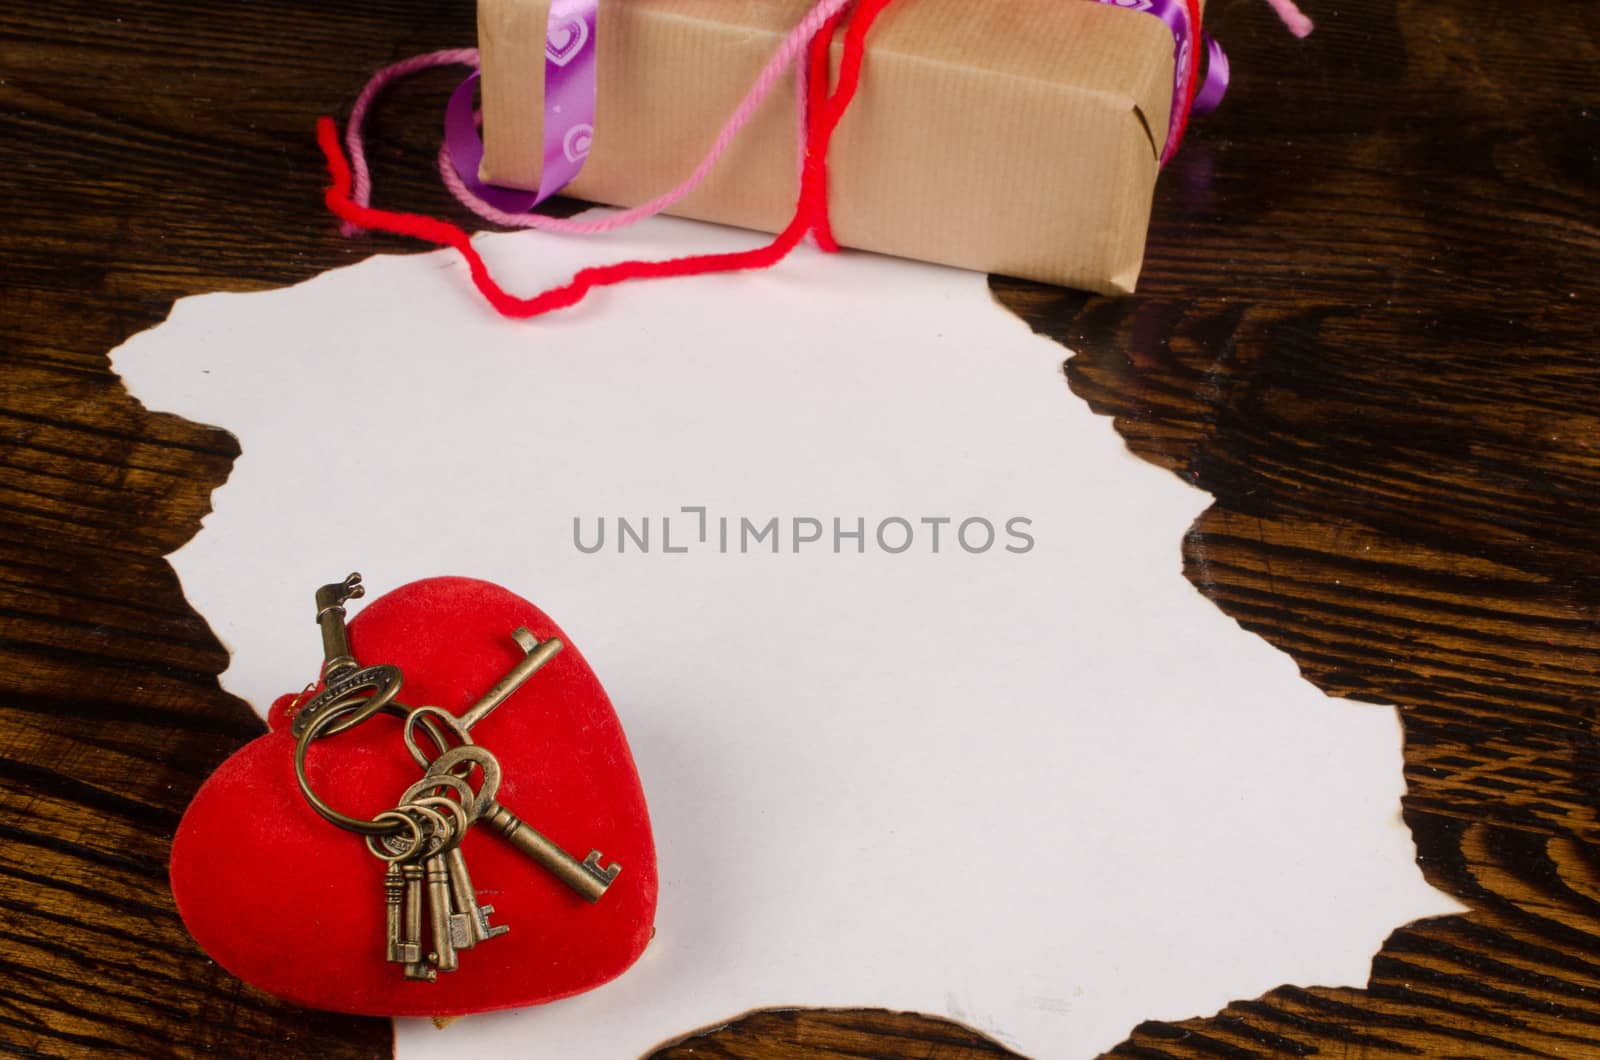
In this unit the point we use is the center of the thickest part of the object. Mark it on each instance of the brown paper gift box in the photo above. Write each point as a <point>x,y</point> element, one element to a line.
<point>1013,136</point>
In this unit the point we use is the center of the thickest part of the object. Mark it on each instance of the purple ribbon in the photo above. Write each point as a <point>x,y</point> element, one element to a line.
<point>1215,86</point>
<point>1206,99</point>
<point>569,103</point>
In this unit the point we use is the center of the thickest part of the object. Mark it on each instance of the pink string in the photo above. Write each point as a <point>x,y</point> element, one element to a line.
<point>1293,17</point>
<point>355,145</point>
<point>802,125</point>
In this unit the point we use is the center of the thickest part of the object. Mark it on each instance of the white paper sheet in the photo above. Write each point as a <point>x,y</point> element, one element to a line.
<point>1048,794</point>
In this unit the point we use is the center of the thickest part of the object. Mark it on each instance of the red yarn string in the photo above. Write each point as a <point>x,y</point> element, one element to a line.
<point>810,210</point>
<point>818,75</point>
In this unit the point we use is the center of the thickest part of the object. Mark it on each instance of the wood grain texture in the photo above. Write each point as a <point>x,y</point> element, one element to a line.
<point>1366,326</point>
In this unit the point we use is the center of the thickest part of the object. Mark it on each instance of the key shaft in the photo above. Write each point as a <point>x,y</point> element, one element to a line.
<point>336,654</point>
<point>418,968</point>
<point>443,956</point>
<point>538,653</point>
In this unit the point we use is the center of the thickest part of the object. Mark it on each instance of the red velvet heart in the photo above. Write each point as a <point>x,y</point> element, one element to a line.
<point>295,906</point>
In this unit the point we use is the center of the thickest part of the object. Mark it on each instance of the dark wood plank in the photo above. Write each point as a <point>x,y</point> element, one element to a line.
<point>1367,326</point>
<point>804,1034</point>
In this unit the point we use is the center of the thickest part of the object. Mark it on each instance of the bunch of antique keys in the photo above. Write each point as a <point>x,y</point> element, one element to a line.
<point>419,840</point>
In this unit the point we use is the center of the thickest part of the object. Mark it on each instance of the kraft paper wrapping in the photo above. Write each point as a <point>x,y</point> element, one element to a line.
<point>1010,136</point>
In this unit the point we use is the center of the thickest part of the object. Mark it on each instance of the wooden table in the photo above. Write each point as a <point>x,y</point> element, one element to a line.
<point>1366,326</point>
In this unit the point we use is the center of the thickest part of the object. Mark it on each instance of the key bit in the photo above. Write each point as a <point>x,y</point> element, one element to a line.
<point>461,936</point>
<point>466,896</point>
<point>605,875</point>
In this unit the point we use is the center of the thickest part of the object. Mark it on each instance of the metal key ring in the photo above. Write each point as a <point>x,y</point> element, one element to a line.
<point>440,835</point>
<point>459,812</point>
<point>339,698</point>
<point>426,715</point>
<point>312,732</point>
<point>460,785</point>
<point>414,800</point>
<point>405,821</point>
<point>444,767</point>
<point>444,829</point>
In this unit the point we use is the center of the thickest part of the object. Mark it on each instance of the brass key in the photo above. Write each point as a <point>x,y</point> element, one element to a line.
<point>402,919</point>
<point>469,921</point>
<point>588,877</point>
<point>419,860</point>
